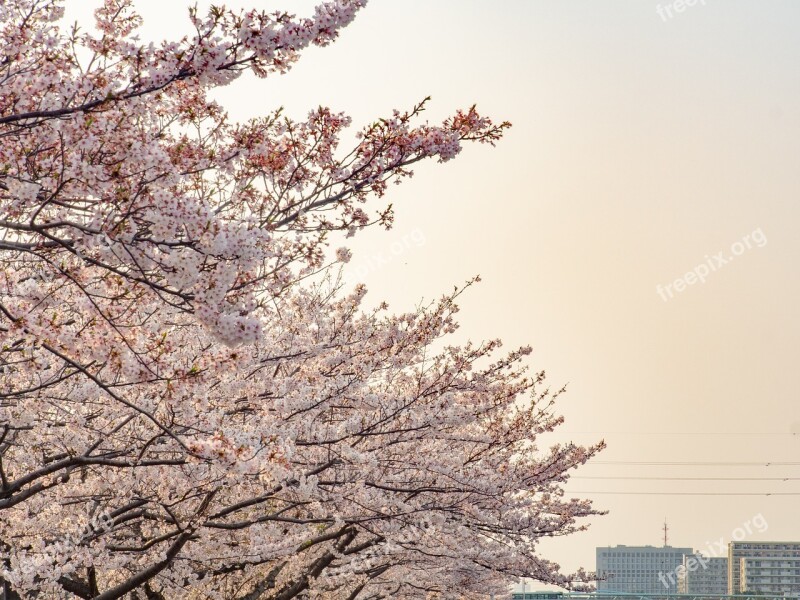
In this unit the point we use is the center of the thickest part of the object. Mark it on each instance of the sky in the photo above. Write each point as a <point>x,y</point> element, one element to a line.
<point>649,148</point>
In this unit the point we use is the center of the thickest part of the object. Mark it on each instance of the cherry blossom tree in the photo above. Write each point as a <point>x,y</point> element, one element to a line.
<point>191,406</point>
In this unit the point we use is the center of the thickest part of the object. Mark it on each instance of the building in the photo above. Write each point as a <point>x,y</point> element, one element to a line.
<point>703,575</point>
<point>639,569</point>
<point>763,550</point>
<point>770,575</point>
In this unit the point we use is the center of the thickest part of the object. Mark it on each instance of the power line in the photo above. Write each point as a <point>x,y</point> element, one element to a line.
<point>694,463</point>
<point>689,478</point>
<point>789,433</point>
<point>571,492</point>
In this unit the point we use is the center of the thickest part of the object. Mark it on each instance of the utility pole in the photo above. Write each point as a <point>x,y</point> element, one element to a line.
<point>665,532</point>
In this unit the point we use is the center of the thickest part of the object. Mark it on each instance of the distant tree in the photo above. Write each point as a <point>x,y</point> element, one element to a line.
<point>189,407</point>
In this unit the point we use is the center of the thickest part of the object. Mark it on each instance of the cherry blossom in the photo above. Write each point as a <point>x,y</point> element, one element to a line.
<point>179,363</point>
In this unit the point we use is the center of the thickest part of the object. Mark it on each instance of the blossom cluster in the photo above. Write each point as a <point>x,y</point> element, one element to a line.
<point>175,351</point>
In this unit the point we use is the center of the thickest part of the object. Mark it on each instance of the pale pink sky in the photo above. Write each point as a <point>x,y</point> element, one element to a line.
<point>641,148</point>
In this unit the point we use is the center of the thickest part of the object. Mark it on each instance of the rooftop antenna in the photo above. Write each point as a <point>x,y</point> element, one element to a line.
<point>665,531</point>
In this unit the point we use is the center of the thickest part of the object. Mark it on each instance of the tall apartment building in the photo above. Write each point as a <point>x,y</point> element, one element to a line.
<point>755,550</point>
<point>639,569</point>
<point>703,575</point>
<point>770,575</point>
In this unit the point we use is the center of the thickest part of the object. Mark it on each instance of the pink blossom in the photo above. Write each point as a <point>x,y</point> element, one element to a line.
<point>175,354</point>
